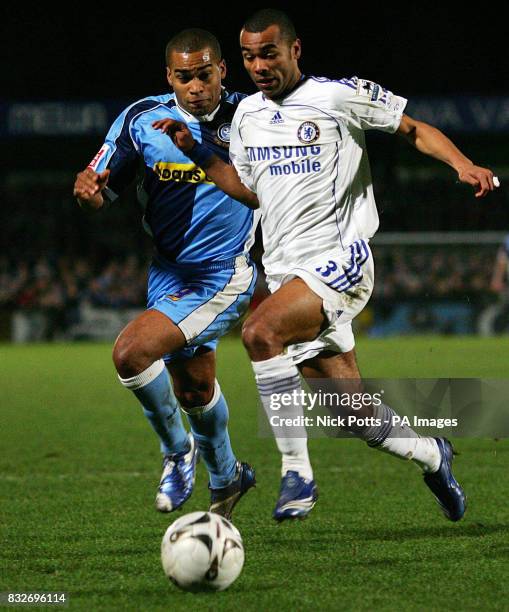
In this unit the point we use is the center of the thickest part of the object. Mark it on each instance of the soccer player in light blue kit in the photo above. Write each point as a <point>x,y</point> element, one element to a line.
<point>201,279</point>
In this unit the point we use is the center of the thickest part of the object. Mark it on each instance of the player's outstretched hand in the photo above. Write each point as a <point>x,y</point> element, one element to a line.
<point>88,186</point>
<point>177,131</point>
<point>481,179</point>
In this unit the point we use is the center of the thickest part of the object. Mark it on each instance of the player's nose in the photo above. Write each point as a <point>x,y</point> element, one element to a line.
<point>259,66</point>
<point>195,86</point>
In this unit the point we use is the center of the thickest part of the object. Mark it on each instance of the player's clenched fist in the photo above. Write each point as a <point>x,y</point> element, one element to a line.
<point>177,131</point>
<point>88,187</point>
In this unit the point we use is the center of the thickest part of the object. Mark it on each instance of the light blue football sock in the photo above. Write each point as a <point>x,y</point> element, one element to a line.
<point>209,425</point>
<point>153,389</point>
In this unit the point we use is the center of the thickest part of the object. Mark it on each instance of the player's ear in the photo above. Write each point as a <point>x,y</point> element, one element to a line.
<point>169,76</point>
<point>222,69</point>
<point>296,49</point>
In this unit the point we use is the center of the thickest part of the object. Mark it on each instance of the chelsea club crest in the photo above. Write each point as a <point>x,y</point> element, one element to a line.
<point>308,132</point>
<point>223,132</point>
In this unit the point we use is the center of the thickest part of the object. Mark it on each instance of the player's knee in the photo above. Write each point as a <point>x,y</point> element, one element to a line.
<point>259,338</point>
<point>122,358</point>
<point>129,357</point>
<point>199,395</point>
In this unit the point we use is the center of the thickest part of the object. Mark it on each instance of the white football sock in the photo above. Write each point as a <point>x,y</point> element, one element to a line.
<point>273,377</point>
<point>402,441</point>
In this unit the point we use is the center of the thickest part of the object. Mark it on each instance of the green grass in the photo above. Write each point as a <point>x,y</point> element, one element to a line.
<point>79,465</point>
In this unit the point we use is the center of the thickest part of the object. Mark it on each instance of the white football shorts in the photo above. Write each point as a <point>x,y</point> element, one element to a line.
<point>344,280</point>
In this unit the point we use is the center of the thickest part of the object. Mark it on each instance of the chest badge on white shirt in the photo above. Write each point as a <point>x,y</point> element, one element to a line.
<point>308,132</point>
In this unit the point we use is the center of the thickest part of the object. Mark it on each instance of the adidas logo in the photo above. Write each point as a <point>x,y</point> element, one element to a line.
<point>277,119</point>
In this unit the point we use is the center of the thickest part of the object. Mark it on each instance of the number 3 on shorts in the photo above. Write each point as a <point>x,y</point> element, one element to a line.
<point>331,267</point>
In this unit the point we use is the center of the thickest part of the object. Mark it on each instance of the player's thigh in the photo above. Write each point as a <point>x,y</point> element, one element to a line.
<point>293,313</point>
<point>194,377</point>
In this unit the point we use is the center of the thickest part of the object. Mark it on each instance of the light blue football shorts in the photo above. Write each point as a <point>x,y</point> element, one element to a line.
<point>205,302</point>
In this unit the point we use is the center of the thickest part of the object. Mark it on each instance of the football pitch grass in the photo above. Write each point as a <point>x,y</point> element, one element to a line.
<point>79,467</point>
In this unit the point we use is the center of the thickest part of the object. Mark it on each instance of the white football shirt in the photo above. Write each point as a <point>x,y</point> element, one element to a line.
<point>305,157</point>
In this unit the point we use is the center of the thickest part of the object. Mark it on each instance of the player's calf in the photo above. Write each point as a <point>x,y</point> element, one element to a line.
<point>297,495</point>
<point>209,424</point>
<point>152,387</point>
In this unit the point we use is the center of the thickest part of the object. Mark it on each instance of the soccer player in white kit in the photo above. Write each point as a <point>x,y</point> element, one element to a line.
<point>299,145</point>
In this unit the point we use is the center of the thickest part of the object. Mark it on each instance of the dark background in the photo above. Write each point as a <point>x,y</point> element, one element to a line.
<point>89,52</point>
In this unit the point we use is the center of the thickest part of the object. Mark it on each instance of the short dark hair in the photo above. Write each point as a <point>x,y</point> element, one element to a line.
<point>263,19</point>
<point>191,40</point>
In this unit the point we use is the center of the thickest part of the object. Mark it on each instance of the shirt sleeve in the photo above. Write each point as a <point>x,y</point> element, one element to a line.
<point>368,105</point>
<point>238,155</point>
<point>118,154</point>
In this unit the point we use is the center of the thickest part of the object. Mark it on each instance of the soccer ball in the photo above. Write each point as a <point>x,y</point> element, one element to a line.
<point>202,551</point>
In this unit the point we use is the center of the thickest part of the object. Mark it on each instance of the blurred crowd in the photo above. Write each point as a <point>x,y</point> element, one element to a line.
<point>62,284</point>
<point>439,289</point>
<point>58,288</point>
<point>452,272</point>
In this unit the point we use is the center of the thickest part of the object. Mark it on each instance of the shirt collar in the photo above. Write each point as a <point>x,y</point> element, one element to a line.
<point>303,77</point>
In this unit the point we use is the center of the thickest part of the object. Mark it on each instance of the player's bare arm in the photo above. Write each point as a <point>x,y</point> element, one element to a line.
<point>431,141</point>
<point>223,175</point>
<point>88,187</point>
